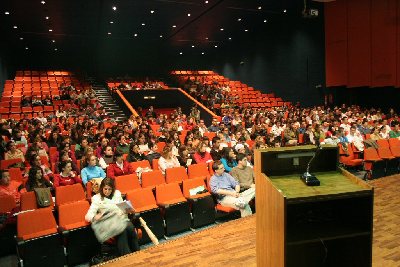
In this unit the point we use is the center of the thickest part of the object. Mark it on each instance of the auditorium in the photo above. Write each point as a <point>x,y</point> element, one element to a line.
<point>199,133</point>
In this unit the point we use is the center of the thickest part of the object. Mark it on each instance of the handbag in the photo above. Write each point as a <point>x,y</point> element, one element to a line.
<point>43,197</point>
<point>109,225</point>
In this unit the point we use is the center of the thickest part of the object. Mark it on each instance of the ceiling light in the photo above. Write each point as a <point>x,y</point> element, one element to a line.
<point>239,19</point>
<point>26,48</point>
<point>284,11</point>
<point>15,27</point>
<point>135,35</point>
<point>109,33</point>
<point>47,17</point>
<point>206,2</point>
<point>229,38</point>
<point>160,36</point>
<point>192,45</point>
<point>173,26</point>
<point>114,8</point>
<point>215,46</point>
<point>21,38</point>
<point>188,14</point>
<point>143,24</point>
<point>55,49</point>
<point>43,2</point>
<point>151,11</point>
<point>53,41</point>
<point>265,21</point>
<point>246,30</point>
<point>202,53</point>
<point>50,30</point>
<point>111,22</point>
<point>206,38</point>
<point>259,7</point>
<point>7,13</point>
<point>221,29</point>
<point>180,53</point>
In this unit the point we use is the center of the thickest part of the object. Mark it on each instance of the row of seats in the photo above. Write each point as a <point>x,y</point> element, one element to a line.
<point>190,72</point>
<point>28,73</point>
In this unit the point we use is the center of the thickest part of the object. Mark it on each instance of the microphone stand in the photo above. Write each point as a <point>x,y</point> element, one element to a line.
<point>308,178</point>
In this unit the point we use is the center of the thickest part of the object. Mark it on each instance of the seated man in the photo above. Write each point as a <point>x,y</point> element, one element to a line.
<point>227,190</point>
<point>8,187</point>
<point>243,173</point>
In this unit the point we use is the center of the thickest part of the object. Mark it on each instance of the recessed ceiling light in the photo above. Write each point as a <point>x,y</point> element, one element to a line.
<point>206,2</point>
<point>173,26</point>
<point>50,30</point>
<point>246,30</point>
<point>55,49</point>
<point>221,29</point>
<point>53,41</point>
<point>109,33</point>
<point>202,53</point>
<point>206,38</point>
<point>188,14</point>
<point>26,48</point>
<point>259,7</point>
<point>160,36</point>
<point>7,13</point>
<point>114,8</point>
<point>21,38</point>
<point>284,11</point>
<point>15,27</point>
<point>239,19</point>
<point>229,38</point>
<point>215,46</point>
<point>265,21</point>
<point>47,17</point>
<point>43,2</point>
<point>180,53</point>
<point>135,35</point>
<point>143,24</point>
<point>111,22</point>
<point>151,11</point>
<point>192,45</point>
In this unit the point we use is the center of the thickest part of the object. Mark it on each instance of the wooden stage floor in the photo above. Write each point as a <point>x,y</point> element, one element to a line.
<point>233,243</point>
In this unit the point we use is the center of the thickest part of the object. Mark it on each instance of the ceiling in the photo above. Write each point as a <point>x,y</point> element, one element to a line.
<point>59,26</point>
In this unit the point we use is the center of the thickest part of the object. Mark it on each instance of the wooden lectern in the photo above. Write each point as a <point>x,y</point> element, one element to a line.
<point>299,225</point>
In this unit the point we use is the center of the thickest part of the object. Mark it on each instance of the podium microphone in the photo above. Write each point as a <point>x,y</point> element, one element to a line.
<point>308,178</point>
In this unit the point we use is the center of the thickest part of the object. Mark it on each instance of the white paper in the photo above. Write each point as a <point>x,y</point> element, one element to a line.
<point>126,205</point>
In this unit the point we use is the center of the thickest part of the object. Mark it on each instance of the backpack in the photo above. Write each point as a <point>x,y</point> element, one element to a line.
<point>43,197</point>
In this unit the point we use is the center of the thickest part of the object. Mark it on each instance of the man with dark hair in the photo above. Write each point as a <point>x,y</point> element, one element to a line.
<point>215,151</point>
<point>395,133</point>
<point>214,127</point>
<point>153,154</point>
<point>227,190</point>
<point>243,173</point>
<point>9,187</point>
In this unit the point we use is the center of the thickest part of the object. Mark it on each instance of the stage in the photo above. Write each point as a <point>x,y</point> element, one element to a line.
<point>233,243</point>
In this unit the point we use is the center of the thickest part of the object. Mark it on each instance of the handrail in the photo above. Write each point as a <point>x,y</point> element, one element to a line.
<point>127,103</point>
<point>199,104</point>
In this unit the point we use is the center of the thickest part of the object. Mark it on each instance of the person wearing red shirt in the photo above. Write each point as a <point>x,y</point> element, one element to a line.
<point>202,155</point>
<point>9,187</point>
<point>120,167</point>
<point>66,175</point>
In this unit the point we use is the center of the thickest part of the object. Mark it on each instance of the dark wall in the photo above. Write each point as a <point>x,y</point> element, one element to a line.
<point>287,58</point>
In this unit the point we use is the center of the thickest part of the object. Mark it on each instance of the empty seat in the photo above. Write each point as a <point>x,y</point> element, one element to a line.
<point>198,170</point>
<point>373,164</point>
<point>347,157</point>
<point>7,203</point>
<point>142,164</point>
<point>29,202</point>
<point>176,174</point>
<point>78,237</point>
<point>38,242</point>
<point>145,204</point>
<point>202,204</point>
<point>125,183</point>
<point>175,207</point>
<point>391,162</point>
<point>152,179</point>
<point>69,193</point>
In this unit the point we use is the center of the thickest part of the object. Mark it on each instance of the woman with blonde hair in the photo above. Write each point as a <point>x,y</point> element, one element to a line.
<point>167,160</point>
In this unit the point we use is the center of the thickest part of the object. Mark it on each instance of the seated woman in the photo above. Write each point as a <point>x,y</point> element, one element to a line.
<point>201,155</point>
<point>107,158</point>
<point>36,179</point>
<point>92,171</point>
<point>66,176</point>
<point>14,153</point>
<point>122,146</point>
<point>228,159</point>
<point>167,160</point>
<point>104,201</point>
<point>184,156</point>
<point>135,154</point>
<point>120,167</point>
<point>64,157</point>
